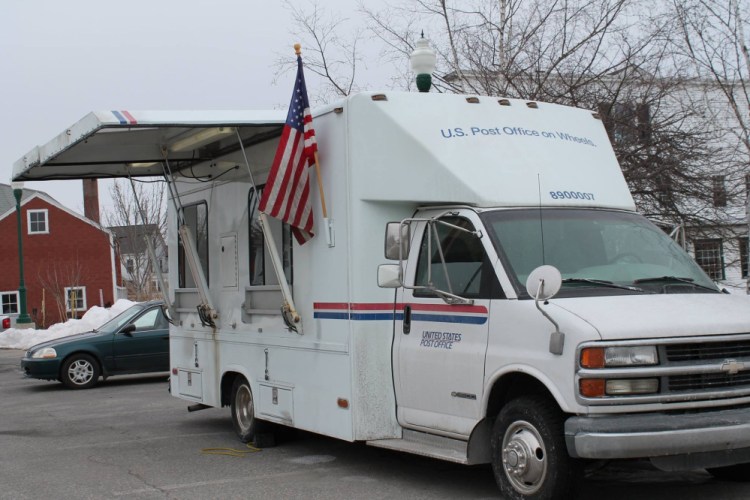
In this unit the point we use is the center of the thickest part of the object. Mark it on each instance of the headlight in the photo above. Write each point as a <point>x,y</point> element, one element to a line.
<point>606,357</point>
<point>599,387</point>
<point>45,353</point>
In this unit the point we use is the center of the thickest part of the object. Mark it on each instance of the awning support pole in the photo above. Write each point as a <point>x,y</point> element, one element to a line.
<point>151,252</point>
<point>289,312</point>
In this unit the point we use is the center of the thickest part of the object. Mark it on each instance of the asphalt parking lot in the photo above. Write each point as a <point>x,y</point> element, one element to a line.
<point>127,438</point>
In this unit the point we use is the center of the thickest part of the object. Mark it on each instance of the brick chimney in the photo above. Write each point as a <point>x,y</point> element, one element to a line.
<point>91,199</point>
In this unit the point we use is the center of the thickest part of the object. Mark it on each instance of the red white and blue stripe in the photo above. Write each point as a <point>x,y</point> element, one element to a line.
<point>438,313</point>
<point>124,117</point>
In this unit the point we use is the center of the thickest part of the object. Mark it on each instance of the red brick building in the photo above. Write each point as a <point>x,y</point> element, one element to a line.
<point>69,260</point>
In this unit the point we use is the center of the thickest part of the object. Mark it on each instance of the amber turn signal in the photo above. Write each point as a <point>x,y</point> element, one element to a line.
<point>592,357</point>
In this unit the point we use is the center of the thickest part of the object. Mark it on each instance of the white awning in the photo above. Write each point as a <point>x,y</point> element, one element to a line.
<point>107,144</point>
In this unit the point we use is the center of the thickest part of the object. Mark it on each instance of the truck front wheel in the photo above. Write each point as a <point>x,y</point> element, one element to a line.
<point>529,456</point>
<point>243,410</point>
<point>739,473</point>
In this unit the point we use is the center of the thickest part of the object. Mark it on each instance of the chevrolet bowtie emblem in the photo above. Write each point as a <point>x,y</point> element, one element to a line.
<point>732,367</point>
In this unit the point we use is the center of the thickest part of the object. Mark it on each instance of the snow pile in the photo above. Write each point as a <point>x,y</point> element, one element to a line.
<point>15,338</point>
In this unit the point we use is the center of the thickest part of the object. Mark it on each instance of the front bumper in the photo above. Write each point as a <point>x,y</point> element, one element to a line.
<point>714,433</point>
<point>47,369</point>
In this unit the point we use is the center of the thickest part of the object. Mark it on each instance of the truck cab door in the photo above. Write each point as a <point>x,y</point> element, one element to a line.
<point>440,347</point>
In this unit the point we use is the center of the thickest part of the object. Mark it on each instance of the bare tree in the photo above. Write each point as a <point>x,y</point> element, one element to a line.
<point>713,38</point>
<point>61,282</point>
<point>330,50</point>
<point>138,216</point>
<point>616,57</point>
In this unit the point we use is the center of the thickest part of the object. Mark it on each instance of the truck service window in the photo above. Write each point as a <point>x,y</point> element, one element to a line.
<point>196,218</point>
<point>257,244</point>
<point>611,247</point>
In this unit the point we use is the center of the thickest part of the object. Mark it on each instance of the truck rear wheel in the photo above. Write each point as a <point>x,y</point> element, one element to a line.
<point>243,410</point>
<point>529,456</point>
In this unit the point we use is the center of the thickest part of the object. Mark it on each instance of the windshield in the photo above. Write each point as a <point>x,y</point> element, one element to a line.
<point>595,249</point>
<point>120,320</point>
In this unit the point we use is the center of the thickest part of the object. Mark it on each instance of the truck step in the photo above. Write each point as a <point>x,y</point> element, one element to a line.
<point>427,445</point>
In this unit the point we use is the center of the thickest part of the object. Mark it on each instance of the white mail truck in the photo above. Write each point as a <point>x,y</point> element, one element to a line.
<point>482,289</point>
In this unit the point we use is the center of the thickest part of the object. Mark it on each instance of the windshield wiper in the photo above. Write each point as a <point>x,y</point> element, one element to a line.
<point>677,279</point>
<point>604,283</point>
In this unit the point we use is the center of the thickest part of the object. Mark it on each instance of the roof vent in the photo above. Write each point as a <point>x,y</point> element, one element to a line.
<point>472,100</point>
<point>379,97</point>
<point>504,102</point>
<point>532,105</point>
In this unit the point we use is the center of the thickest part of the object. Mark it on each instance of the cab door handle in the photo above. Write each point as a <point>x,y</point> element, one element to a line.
<point>407,319</point>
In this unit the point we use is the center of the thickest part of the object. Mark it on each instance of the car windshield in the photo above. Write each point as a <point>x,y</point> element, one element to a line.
<point>120,320</point>
<point>596,251</point>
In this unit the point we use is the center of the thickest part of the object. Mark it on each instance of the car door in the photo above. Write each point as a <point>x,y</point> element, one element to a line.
<point>143,344</point>
<point>440,347</point>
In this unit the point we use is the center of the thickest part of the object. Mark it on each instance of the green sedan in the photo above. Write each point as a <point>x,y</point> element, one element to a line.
<point>135,341</point>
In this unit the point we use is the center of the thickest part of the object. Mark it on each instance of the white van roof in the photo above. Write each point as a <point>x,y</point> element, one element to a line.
<point>485,151</point>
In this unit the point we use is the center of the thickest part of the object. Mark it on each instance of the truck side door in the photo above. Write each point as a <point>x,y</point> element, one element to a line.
<point>440,347</point>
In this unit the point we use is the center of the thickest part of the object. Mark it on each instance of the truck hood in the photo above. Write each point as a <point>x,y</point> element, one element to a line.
<point>651,316</point>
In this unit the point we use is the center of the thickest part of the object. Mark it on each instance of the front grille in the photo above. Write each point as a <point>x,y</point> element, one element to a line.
<point>707,381</point>
<point>707,351</point>
<point>689,370</point>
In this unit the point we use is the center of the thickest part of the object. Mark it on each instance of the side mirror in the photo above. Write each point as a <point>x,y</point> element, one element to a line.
<point>396,235</point>
<point>544,282</point>
<point>128,330</point>
<point>389,275</point>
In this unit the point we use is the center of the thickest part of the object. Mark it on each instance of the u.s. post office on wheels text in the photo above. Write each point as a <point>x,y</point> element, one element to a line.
<point>516,310</point>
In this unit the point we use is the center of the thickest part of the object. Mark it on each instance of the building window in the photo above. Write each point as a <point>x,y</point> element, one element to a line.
<point>743,256</point>
<point>37,221</point>
<point>709,254</point>
<point>75,299</point>
<point>196,219</point>
<point>9,302</point>
<point>627,122</point>
<point>129,266</point>
<point>747,185</point>
<point>719,188</point>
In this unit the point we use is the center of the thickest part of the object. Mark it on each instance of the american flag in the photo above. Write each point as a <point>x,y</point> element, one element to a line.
<point>286,195</point>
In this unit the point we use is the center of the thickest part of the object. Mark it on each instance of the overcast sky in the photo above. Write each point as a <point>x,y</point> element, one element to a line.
<point>60,59</point>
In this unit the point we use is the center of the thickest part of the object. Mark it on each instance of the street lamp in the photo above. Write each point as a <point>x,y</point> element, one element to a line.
<point>23,320</point>
<point>423,61</point>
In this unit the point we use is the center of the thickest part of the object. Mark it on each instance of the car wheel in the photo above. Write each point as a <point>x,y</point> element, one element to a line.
<point>80,371</point>
<point>739,473</point>
<point>529,456</point>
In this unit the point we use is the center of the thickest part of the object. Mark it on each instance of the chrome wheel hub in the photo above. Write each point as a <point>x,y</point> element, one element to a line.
<point>524,457</point>
<point>244,408</point>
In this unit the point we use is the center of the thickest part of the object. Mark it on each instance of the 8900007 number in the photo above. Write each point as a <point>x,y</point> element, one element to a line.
<point>570,195</point>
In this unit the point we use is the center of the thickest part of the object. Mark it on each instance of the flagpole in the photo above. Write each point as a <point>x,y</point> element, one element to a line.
<point>326,222</point>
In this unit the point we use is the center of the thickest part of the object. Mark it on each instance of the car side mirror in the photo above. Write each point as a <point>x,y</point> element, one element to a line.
<point>128,330</point>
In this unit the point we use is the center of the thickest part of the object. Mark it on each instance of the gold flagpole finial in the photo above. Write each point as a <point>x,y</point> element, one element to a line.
<point>297,48</point>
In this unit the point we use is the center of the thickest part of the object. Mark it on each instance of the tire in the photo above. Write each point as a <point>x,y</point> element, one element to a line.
<point>739,473</point>
<point>80,371</point>
<point>529,456</point>
<point>243,410</point>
